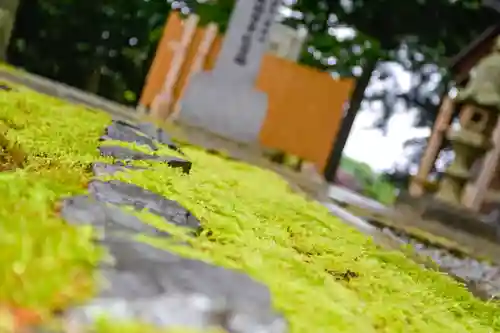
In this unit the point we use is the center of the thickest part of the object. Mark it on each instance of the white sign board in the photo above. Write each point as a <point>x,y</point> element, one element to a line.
<point>224,101</point>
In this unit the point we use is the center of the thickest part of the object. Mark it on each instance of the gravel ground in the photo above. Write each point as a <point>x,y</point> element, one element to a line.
<point>481,276</point>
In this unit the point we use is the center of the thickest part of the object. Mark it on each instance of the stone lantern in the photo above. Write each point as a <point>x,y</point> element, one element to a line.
<point>481,108</point>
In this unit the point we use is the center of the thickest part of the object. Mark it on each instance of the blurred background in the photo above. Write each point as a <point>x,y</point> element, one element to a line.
<point>402,47</point>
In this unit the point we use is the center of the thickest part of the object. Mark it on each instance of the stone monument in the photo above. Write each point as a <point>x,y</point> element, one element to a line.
<point>286,42</point>
<point>481,107</point>
<point>224,101</point>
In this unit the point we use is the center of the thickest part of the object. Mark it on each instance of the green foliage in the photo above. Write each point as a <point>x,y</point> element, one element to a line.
<point>104,47</point>
<point>217,11</point>
<point>383,24</point>
<point>381,190</point>
<point>374,186</point>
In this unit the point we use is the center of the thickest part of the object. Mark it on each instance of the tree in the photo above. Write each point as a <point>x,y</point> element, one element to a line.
<point>218,11</point>
<point>84,43</point>
<point>8,12</point>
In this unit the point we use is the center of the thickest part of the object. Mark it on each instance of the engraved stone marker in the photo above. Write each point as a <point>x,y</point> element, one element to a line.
<point>224,101</point>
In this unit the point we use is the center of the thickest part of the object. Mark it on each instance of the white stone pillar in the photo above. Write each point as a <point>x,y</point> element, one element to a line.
<point>224,101</point>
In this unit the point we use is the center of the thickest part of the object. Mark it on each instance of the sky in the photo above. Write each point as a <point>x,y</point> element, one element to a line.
<point>379,150</point>
<point>382,151</point>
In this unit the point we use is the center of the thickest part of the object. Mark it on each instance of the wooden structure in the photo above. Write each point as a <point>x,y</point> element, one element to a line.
<point>305,105</point>
<point>487,179</point>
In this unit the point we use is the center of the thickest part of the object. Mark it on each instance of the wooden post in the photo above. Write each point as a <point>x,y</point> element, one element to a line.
<point>466,115</point>
<point>160,108</point>
<point>440,127</point>
<point>161,62</point>
<point>211,32</point>
<point>475,192</point>
<point>340,140</point>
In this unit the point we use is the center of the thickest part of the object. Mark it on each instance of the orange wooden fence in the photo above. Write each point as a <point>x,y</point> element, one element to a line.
<point>305,105</point>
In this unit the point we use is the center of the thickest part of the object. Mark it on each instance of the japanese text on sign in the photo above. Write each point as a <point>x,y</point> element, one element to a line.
<point>269,21</point>
<point>246,39</point>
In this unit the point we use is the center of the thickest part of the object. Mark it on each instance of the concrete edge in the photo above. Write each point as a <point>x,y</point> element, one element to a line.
<point>68,93</point>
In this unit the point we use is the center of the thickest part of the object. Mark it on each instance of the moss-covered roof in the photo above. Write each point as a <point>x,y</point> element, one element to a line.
<point>323,275</point>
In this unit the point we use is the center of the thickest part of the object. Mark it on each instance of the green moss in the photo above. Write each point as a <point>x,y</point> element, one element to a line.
<point>106,326</point>
<point>323,275</point>
<point>11,69</point>
<point>162,150</point>
<point>44,262</point>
